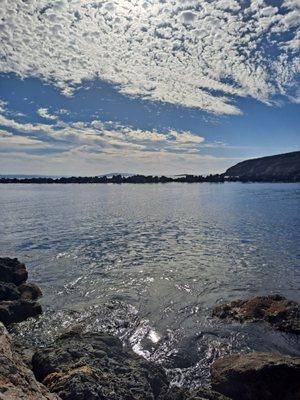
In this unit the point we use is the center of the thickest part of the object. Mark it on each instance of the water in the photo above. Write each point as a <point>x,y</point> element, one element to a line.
<point>149,262</point>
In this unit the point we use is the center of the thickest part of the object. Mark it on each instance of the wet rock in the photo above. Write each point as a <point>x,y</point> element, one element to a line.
<point>280,313</point>
<point>30,291</point>
<point>17,382</point>
<point>18,310</point>
<point>9,291</point>
<point>17,298</point>
<point>186,355</point>
<point>11,270</point>
<point>97,366</point>
<point>263,376</point>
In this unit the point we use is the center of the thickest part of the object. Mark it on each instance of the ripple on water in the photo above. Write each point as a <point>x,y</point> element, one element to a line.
<point>149,262</point>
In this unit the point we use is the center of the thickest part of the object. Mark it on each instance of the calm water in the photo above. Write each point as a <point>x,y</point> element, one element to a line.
<point>149,262</point>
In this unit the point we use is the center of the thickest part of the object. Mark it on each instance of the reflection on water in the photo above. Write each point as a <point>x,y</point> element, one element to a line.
<point>149,262</point>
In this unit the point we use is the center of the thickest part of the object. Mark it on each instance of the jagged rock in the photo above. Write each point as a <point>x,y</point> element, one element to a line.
<point>279,312</point>
<point>17,298</point>
<point>11,270</point>
<point>18,310</point>
<point>9,291</point>
<point>97,366</point>
<point>30,291</point>
<point>17,382</point>
<point>257,376</point>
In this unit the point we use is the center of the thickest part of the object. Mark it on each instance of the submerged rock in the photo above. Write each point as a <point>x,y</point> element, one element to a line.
<point>17,297</point>
<point>9,291</point>
<point>280,313</point>
<point>257,376</point>
<point>17,382</point>
<point>18,310</point>
<point>11,270</point>
<point>97,366</point>
<point>30,291</point>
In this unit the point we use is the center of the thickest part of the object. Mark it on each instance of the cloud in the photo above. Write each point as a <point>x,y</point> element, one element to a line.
<point>96,136</point>
<point>89,148</point>
<point>44,113</point>
<point>185,52</point>
<point>9,140</point>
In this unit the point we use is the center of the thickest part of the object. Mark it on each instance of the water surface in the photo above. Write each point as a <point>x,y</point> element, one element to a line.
<point>149,262</point>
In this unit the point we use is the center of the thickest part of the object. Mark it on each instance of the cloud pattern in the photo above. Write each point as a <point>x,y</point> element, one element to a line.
<point>196,54</point>
<point>85,146</point>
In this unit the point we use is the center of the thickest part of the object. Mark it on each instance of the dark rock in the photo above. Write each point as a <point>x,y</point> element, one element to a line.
<point>97,366</point>
<point>11,270</point>
<point>9,291</point>
<point>279,312</point>
<point>17,382</point>
<point>257,376</point>
<point>30,291</point>
<point>17,298</point>
<point>186,354</point>
<point>18,310</point>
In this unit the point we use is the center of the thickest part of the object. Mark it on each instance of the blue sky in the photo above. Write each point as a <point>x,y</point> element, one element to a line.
<point>91,87</point>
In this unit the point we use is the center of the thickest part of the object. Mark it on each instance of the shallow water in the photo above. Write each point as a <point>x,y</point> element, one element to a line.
<point>149,262</point>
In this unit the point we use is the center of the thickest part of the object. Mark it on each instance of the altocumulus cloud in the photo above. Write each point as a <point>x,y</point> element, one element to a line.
<point>185,52</point>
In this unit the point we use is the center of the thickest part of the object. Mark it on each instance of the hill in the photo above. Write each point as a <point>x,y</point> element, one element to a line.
<point>284,167</point>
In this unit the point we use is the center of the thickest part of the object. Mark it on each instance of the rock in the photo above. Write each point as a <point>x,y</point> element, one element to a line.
<point>257,376</point>
<point>17,298</point>
<point>30,291</point>
<point>9,291</point>
<point>11,270</point>
<point>97,366</point>
<point>17,382</point>
<point>18,310</point>
<point>279,312</point>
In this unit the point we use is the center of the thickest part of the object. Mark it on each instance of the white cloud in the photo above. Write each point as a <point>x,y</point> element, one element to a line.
<point>44,113</point>
<point>191,53</point>
<point>97,136</point>
<point>10,142</point>
<point>80,148</point>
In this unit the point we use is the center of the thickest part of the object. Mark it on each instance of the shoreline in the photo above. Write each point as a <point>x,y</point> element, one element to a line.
<point>141,180</point>
<point>52,374</point>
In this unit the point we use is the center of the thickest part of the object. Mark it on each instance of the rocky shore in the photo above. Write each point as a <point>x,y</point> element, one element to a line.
<point>98,366</point>
<point>18,299</point>
<point>280,313</point>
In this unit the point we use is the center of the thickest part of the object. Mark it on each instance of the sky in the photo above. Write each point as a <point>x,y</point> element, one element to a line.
<point>89,87</point>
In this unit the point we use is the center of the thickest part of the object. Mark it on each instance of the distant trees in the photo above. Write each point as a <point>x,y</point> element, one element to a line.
<point>138,179</point>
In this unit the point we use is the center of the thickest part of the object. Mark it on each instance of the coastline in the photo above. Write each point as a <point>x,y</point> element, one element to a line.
<point>85,365</point>
<point>142,179</point>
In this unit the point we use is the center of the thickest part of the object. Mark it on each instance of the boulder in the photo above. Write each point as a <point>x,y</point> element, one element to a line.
<point>30,291</point>
<point>257,376</point>
<point>280,313</point>
<point>11,270</point>
<point>17,297</point>
<point>18,310</point>
<point>17,382</point>
<point>96,366</point>
<point>9,291</point>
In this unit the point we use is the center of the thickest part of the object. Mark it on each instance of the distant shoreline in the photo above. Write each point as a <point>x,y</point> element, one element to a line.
<point>144,179</point>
